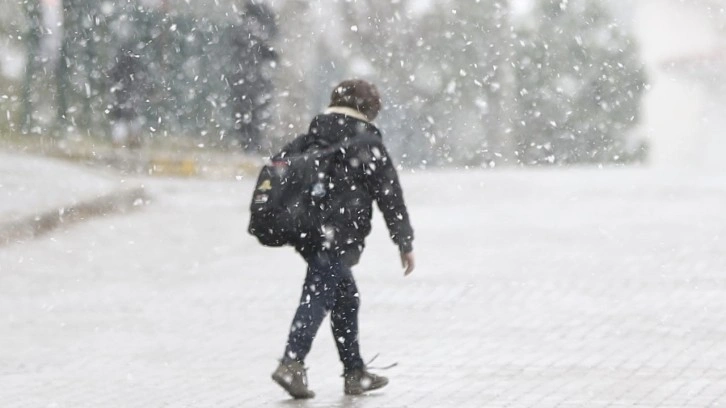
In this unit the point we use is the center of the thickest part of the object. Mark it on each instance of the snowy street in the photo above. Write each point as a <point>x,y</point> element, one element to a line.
<point>534,288</point>
<point>562,163</point>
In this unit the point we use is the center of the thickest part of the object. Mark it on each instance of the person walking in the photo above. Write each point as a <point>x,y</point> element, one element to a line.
<point>365,174</point>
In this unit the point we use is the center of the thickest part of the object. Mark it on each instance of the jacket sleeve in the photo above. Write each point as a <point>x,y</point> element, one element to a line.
<point>386,190</point>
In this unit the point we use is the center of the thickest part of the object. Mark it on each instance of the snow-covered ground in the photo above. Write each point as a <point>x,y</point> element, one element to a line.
<point>534,288</point>
<point>30,184</point>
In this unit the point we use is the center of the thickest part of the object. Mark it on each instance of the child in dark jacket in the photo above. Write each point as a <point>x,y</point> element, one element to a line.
<point>365,174</point>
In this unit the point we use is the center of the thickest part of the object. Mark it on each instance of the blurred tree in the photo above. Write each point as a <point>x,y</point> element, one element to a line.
<point>170,69</point>
<point>33,34</point>
<point>377,40</point>
<point>296,89</point>
<point>462,85</point>
<point>251,82</point>
<point>580,83</point>
<point>464,71</point>
<point>501,83</point>
<point>131,85</point>
<point>459,84</point>
<point>446,75</point>
<point>79,69</point>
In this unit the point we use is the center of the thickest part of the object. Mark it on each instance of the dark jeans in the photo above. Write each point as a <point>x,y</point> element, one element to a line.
<point>329,287</point>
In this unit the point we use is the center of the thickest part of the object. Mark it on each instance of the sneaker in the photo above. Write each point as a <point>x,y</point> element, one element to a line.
<point>293,378</point>
<point>360,380</point>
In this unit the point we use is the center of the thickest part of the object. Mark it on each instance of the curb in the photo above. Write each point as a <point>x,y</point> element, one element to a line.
<point>32,226</point>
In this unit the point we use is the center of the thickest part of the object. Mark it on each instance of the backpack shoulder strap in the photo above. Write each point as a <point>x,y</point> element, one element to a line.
<point>298,145</point>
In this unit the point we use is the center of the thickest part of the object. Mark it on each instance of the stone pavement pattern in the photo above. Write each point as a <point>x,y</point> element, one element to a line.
<point>578,288</point>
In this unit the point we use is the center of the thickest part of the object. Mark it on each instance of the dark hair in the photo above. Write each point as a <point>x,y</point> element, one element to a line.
<point>359,95</point>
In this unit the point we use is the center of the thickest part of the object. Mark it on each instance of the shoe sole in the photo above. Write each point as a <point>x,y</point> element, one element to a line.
<point>288,388</point>
<point>362,391</point>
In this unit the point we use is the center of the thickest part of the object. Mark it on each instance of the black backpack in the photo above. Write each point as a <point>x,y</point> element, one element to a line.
<point>291,200</point>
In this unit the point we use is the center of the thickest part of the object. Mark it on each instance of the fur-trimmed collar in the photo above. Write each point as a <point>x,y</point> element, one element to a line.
<point>344,110</point>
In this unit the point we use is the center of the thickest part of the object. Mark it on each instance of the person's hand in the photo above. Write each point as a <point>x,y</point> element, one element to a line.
<point>408,262</point>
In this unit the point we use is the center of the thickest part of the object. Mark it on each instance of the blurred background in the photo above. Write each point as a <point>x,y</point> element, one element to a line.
<point>569,224</point>
<point>465,83</point>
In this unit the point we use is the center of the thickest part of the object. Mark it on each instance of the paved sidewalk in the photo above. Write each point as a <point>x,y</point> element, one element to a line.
<point>555,288</point>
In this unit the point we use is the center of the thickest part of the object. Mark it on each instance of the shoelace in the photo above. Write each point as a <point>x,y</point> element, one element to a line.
<point>368,364</point>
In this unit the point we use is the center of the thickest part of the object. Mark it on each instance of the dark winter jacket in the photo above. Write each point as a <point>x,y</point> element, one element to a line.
<point>364,173</point>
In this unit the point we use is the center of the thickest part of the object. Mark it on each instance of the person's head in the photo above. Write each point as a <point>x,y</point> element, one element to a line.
<point>359,95</point>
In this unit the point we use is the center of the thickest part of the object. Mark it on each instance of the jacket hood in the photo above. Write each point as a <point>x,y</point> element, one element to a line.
<point>334,127</point>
